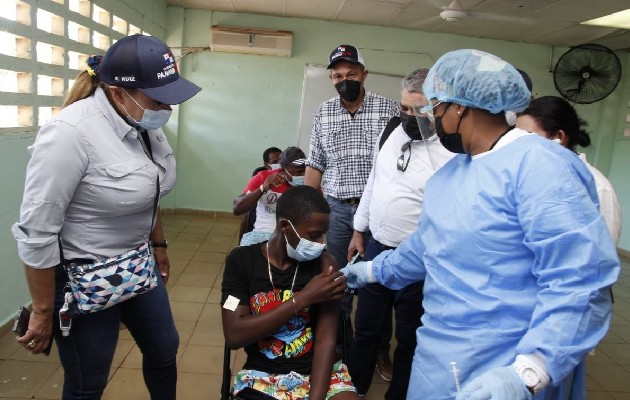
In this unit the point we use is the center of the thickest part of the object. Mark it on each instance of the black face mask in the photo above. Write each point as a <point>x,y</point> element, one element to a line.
<point>411,127</point>
<point>349,90</point>
<point>451,141</point>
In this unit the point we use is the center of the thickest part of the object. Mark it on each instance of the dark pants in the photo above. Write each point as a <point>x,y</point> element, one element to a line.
<point>338,239</point>
<point>375,301</point>
<point>86,354</point>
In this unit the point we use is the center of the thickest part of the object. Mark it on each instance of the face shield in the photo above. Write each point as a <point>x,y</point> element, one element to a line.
<point>425,121</point>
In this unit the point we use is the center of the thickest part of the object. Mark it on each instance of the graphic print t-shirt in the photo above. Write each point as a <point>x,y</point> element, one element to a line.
<point>246,277</point>
<point>266,206</point>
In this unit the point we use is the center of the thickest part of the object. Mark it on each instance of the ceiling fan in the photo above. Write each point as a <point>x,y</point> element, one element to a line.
<point>454,12</point>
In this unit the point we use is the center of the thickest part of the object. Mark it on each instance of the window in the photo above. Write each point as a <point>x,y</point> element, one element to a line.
<point>14,45</point>
<point>48,53</point>
<point>101,41</point>
<point>14,81</point>
<point>120,25</point>
<point>100,16</point>
<point>46,113</point>
<point>43,46</point>
<point>76,60</point>
<point>78,33</point>
<point>80,6</point>
<point>49,85</point>
<point>16,10</point>
<point>134,29</point>
<point>49,22</point>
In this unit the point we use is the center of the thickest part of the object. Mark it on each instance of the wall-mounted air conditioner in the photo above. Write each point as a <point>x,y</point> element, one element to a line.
<point>251,41</point>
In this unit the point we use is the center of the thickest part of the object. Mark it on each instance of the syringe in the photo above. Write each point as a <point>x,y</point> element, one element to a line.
<point>455,375</point>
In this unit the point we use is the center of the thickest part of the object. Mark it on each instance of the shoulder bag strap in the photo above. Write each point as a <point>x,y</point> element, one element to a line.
<point>147,144</point>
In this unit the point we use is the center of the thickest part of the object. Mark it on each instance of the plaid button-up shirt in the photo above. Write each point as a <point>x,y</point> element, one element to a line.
<point>342,145</point>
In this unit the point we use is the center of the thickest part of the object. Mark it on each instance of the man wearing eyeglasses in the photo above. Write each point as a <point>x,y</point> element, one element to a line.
<point>390,208</point>
<point>345,129</point>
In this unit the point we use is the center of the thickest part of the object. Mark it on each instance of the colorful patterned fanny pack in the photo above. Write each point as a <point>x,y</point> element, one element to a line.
<point>100,285</point>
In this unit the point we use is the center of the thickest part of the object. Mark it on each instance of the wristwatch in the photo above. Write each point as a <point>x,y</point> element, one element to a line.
<point>163,244</point>
<point>262,189</point>
<point>530,379</point>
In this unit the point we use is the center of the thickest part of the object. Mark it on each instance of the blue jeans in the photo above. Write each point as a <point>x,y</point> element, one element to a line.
<point>86,354</point>
<point>375,303</point>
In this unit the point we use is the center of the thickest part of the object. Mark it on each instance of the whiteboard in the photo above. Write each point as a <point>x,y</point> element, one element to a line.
<point>318,88</point>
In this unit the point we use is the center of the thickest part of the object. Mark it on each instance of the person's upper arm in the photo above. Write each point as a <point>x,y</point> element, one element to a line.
<point>234,290</point>
<point>361,220</point>
<point>254,182</point>
<point>235,282</point>
<point>59,160</point>
<point>328,313</point>
<point>316,156</point>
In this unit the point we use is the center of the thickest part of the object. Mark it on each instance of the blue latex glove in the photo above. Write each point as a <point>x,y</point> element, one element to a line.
<point>497,384</point>
<point>357,274</point>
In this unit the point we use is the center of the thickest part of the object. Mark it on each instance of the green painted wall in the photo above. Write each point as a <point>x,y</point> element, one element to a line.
<point>251,102</point>
<point>619,163</point>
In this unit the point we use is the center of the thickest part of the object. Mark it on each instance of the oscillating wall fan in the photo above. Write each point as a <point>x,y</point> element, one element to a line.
<point>587,73</point>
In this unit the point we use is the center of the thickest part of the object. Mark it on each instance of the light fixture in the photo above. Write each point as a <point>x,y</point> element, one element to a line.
<point>619,19</point>
<point>453,15</point>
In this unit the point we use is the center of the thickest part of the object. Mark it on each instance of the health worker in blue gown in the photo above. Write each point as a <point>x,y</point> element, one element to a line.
<point>516,258</point>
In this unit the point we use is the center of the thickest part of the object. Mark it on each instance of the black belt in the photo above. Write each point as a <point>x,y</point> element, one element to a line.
<point>353,201</point>
<point>383,246</point>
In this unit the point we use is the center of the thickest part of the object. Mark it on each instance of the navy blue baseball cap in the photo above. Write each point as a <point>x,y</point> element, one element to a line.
<point>147,64</point>
<point>345,52</point>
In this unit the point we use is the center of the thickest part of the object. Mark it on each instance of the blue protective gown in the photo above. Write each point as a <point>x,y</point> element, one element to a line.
<point>516,259</point>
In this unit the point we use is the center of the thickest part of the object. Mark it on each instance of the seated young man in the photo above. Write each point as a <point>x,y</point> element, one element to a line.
<point>264,189</point>
<point>280,301</point>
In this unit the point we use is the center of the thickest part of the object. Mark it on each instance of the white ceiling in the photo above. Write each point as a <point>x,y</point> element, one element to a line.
<point>554,22</point>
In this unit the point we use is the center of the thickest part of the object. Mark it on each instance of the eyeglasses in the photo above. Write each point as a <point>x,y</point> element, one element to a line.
<point>401,164</point>
<point>428,110</point>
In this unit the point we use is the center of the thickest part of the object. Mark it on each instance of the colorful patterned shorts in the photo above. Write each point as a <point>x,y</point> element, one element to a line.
<point>292,385</point>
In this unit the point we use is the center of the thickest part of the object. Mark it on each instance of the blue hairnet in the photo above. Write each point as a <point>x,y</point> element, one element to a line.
<point>477,79</point>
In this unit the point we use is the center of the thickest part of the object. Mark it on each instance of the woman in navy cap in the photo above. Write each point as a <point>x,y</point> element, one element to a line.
<point>93,183</point>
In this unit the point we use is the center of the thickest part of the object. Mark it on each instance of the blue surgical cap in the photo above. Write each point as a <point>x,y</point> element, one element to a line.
<point>477,79</point>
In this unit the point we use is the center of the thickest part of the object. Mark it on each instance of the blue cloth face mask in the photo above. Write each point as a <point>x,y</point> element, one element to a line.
<point>295,180</point>
<point>151,119</point>
<point>306,250</point>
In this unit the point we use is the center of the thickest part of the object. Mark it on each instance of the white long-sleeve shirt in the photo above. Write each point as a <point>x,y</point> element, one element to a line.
<point>608,202</point>
<point>392,200</point>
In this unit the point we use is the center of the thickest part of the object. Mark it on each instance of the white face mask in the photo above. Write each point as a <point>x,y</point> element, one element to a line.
<point>295,180</point>
<point>306,250</point>
<point>151,119</point>
<point>274,166</point>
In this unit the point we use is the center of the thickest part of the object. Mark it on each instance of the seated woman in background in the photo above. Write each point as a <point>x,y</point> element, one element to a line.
<point>280,301</point>
<point>553,117</point>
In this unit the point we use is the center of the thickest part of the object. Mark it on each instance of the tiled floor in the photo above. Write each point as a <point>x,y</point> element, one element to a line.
<point>197,248</point>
